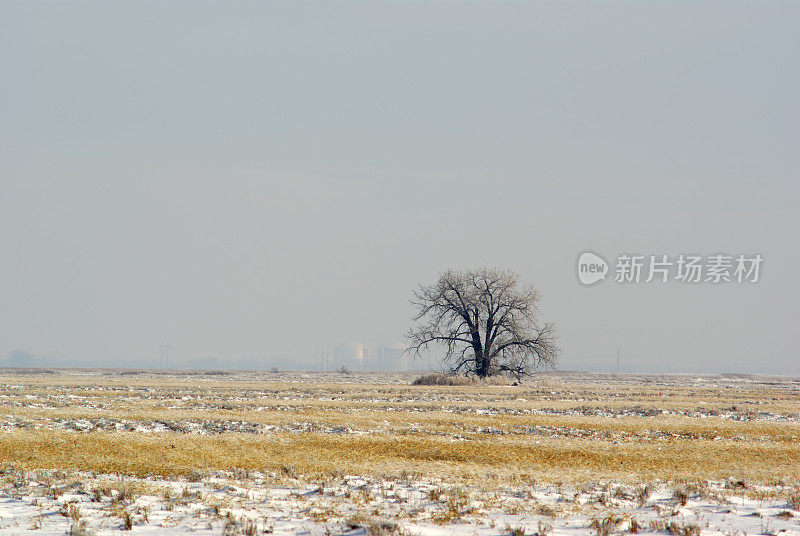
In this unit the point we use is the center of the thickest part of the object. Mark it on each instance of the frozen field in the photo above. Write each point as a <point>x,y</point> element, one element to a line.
<point>325,453</point>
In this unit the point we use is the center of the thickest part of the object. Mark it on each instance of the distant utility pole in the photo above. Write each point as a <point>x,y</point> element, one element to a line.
<point>320,358</point>
<point>164,355</point>
<point>617,360</point>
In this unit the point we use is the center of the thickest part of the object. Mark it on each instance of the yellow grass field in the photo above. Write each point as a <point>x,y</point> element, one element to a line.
<point>554,428</point>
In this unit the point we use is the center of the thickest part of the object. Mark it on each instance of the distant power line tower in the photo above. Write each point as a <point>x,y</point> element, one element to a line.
<point>617,360</point>
<point>164,355</point>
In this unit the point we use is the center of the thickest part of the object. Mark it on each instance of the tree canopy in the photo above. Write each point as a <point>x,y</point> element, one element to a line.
<point>486,321</point>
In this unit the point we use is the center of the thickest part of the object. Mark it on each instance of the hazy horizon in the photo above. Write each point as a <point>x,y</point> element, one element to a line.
<point>252,182</point>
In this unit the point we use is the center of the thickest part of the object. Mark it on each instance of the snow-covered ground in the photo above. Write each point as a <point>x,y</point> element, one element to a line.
<point>57,503</point>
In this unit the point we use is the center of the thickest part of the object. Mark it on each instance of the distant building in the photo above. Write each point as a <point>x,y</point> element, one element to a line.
<point>389,357</point>
<point>349,354</point>
<point>358,356</point>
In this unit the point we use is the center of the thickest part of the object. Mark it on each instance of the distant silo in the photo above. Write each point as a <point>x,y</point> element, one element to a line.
<point>390,357</point>
<point>350,354</point>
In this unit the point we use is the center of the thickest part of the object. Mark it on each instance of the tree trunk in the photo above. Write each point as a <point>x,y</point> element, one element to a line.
<point>482,364</point>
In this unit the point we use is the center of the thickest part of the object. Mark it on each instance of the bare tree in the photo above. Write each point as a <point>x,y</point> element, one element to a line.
<point>486,321</point>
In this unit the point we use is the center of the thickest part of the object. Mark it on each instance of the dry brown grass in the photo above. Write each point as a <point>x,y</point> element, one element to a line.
<point>314,455</point>
<point>435,430</point>
<point>439,379</point>
<point>444,421</point>
<point>114,394</point>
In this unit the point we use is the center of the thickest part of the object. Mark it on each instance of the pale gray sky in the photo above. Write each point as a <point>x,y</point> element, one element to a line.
<point>253,180</point>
